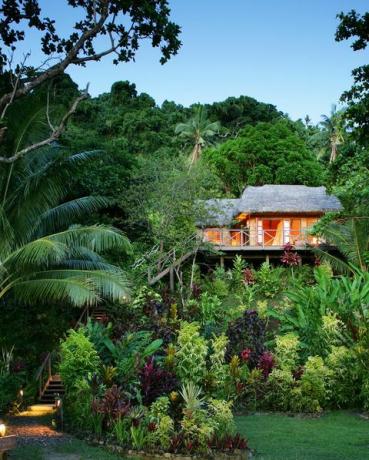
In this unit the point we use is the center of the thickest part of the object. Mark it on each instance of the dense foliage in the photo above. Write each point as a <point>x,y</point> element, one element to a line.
<point>163,371</point>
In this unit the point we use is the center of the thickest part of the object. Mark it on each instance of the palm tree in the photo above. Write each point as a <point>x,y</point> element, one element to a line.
<point>333,132</point>
<point>351,238</point>
<point>42,256</point>
<point>198,130</point>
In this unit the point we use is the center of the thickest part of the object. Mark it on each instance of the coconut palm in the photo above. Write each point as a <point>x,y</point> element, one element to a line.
<point>351,238</point>
<point>42,256</point>
<point>332,133</point>
<point>198,131</point>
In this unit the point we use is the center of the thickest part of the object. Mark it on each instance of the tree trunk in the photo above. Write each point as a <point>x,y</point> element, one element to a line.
<point>196,154</point>
<point>333,153</point>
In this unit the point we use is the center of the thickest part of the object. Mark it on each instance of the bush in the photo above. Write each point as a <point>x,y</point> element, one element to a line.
<point>268,280</point>
<point>343,378</point>
<point>79,359</point>
<point>310,393</point>
<point>155,382</point>
<point>247,332</point>
<point>278,389</point>
<point>286,351</point>
<point>220,413</point>
<point>161,424</point>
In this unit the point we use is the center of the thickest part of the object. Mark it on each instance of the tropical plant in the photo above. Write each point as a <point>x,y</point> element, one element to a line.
<point>155,381</point>
<point>131,352</point>
<point>192,397</point>
<point>79,358</point>
<point>310,392</point>
<point>351,237</point>
<point>332,134</point>
<point>44,258</point>
<point>191,353</point>
<point>247,332</point>
<point>199,130</point>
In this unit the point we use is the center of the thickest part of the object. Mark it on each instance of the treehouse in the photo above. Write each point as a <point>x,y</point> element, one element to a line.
<point>266,218</point>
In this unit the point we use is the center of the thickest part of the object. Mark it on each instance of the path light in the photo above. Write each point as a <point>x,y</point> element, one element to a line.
<point>2,430</point>
<point>21,393</point>
<point>58,403</point>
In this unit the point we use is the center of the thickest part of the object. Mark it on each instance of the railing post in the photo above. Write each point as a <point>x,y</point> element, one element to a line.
<point>49,366</point>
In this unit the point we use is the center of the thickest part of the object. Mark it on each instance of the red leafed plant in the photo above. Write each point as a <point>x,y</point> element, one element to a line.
<point>112,405</point>
<point>228,443</point>
<point>266,363</point>
<point>248,277</point>
<point>289,257</point>
<point>155,381</point>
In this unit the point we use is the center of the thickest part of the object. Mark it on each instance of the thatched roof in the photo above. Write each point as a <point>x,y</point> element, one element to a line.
<point>270,199</point>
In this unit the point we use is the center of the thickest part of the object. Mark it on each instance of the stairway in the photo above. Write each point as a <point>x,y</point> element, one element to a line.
<point>53,388</point>
<point>100,315</point>
<point>165,264</point>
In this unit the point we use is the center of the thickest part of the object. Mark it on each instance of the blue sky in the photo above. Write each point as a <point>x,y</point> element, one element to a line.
<point>278,51</point>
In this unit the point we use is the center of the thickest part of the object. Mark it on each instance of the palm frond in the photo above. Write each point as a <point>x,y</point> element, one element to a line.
<point>77,291</point>
<point>99,238</point>
<point>58,217</point>
<point>112,285</point>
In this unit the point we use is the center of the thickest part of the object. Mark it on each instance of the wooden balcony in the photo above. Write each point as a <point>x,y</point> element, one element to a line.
<point>246,239</point>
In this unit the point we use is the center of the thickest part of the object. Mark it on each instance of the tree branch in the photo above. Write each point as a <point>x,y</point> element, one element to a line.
<point>59,68</point>
<point>56,133</point>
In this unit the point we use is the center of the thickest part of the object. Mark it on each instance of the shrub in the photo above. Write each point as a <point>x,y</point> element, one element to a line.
<point>162,425</point>
<point>217,359</point>
<point>268,280</point>
<point>79,358</point>
<point>211,309</point>
<point>343,377</point>
<point>279,387</point>
<point>286,351</point>
<point>112,406</point>
<point>247,332</point>
<point>191,353</point>
<point>155,382</point>
<point>11,379</point>
<point>310,393</point>
<point>197,430</point>
<point>220,413</point>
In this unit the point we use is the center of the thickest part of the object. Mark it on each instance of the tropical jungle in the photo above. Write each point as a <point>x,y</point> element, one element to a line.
<point>208,360</point>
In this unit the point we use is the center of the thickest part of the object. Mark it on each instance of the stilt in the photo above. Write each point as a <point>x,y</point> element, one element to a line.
<point>222,261</point>
<point>267,258</point>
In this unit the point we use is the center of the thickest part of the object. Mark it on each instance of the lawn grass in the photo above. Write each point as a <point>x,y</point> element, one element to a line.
<point>340,435</point>
<point>337,435</point>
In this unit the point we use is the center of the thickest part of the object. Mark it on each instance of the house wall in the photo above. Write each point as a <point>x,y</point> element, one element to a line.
<point>265,230</point>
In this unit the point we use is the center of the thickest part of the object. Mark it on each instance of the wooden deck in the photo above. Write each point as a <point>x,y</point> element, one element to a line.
<point>233,239</point>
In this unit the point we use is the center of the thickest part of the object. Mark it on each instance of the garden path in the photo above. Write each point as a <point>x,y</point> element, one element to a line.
<point>34,428</point>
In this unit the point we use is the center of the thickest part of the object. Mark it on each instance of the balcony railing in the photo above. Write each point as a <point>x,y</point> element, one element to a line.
<point>224,237</point>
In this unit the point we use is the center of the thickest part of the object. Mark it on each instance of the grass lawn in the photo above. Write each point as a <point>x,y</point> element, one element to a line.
<point>334,436</point>
<point>337,435</point>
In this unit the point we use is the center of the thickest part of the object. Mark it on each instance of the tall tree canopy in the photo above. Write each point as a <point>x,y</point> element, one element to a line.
<point>120,24</point>
<point>268,153</point>
<point>356,26</point>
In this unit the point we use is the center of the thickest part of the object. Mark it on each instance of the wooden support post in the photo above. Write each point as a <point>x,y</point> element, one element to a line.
<point>171,279</point>
<point>267,258</point>
<point>222,261</point>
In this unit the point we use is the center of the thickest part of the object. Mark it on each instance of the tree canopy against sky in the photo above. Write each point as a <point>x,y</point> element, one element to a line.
<point>122,26</point>
<point>268,153</point>
<point>356,26</point>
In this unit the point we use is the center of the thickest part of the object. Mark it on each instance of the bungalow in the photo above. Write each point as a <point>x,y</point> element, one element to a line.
<point>266,218</point>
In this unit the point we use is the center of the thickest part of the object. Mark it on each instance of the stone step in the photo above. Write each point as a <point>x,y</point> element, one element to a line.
<point>42,408</point>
